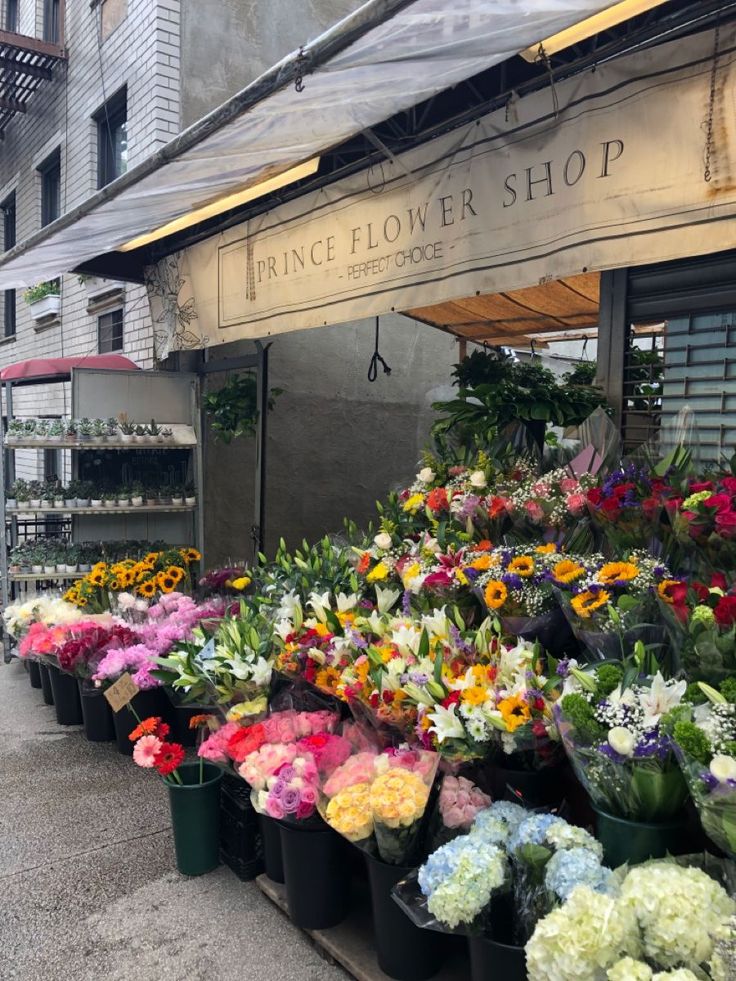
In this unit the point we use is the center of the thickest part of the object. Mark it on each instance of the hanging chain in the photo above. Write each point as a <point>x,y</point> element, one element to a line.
<point>543,59</point>
<point>711,105</point>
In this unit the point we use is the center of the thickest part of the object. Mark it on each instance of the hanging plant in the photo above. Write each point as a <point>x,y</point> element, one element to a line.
<point>233,409</point>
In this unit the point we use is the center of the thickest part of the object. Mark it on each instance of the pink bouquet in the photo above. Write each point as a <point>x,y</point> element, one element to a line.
<point>258,767</point>
<point>290,726</point>
<point>292,791</point>
<point>458,804</point>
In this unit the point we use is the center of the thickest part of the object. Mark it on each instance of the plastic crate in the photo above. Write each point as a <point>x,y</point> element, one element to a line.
<point>241,847</point>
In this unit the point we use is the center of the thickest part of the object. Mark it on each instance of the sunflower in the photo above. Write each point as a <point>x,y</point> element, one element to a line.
<point>147,588</point>
<point>546,549</point>
<point>495,594</point>
<point>585,603</point>
<point>151,558</point>
<point>166,583</point>
<point>567,571</point>
<point>474,695</point>
<point>482,563</point>
<point>328,679</point>
<point>96,578</point>
<point>617,572</point>
<point>514,711</point>
<point>190,555</point>
<point>668,589</point>
<point>175,572</point>
<point>115,585</point>
<point>522,565</point>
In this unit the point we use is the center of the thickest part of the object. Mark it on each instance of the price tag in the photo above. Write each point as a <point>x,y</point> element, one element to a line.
<point>206,654</point>
<point>119,694</point>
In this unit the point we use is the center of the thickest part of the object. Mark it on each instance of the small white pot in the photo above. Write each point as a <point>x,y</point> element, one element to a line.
<point>178,501</point>
<point>123,502</point>
<point>109,504</point>
<point>59,505</point>
<point>70,568</point>
<point>24,505</point>
<point>34,504</point>
<point>70,502</point>
<point>49,568</point>
<point>11,503</point>
<point>137,502</point>
<point>49,306</point>
<point>191,501</point>
<point>96,503</point>
<point>82,502</point>
<point>36,569</point>
<point>46,503</point>
<point>85,567</point>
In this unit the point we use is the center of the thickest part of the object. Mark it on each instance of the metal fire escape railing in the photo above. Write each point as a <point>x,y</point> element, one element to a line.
<point>27,62</point>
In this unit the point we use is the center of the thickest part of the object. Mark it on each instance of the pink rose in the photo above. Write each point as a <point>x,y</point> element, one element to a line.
<point>454,818</point>
<point>274,807</point>
<point>575,503</point>
<point>534,510</point>
<point>568,485</point>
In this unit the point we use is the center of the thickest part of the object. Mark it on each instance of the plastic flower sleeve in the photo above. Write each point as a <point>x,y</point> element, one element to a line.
<point>714,802</point>
<point>551,630</point>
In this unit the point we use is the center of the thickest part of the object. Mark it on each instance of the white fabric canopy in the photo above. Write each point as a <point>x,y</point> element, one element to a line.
<point>423,49</point>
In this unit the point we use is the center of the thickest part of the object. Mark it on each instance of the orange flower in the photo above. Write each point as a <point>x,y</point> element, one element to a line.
<point>514,711</point>
<point>585,603</point>
<point>522,565</point>
<point>546,549</point>
<point>496,506</point>
<point>484,546</point>
<point>364,563</point>
<point>495,594</point>
<point>199,720</point>
<point>567,571</point>
<point>482,563</point>
<point>147,727</point>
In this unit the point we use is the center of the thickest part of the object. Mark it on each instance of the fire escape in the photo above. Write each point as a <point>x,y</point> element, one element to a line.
<point>26,62</point>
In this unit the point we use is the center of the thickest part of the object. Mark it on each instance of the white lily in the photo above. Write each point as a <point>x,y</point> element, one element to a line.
<point>320,603</point>
<point>283,628</point>
<point>288,606</point>
<point>386,598</point>
<point>436,623</point>
<point>445,723</point>
<point>346,603</point>
<point>406,637</point>
<point>660,698</point>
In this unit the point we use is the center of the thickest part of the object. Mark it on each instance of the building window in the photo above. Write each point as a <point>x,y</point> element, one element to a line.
<point>50,172</point>
<point>8,210</point>
<point>11,15</point>
<point>51,464</point>
<point>110,332</point>
<point>51,21</point>
<point>112,138</point>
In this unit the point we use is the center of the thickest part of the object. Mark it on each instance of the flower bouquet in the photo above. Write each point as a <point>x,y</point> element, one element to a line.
<point>611,605</point>
<point>611,726</point>
<point>378,801</point>
<point>157,573</point>
<point>664,919</point>
<point>458,804</point>
<point>705,524</point>
<point>548,504</point>
<point>627,508</point>
<point>701,623</point>
<point>705,743</point>
<point>517,586</point>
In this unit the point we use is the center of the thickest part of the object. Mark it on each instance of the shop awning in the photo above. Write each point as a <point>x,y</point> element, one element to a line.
<point>37,370</point>
<point>399,53</point>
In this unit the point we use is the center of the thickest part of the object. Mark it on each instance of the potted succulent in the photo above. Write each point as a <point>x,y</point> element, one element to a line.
<point>123,497</point>
<point>140,433</point>
<point>96,502</point>
<point>35,495</point>
<point>109,499</point>
<point>190,497</point>
<point>72,558</point>
<point>35,558</point>
<point>29,429</point>
<point>47,494</point>
<point>85,563</point>
<point>85,429</point>
<point>15,564</point>
<point>56,429</point>
<point>60,556</point>
<point>126,427</point>
<point>48,553</point>
<point>99,429</point>
<point>59,498</point>
<point>11,499</point>
<point>177,495</point>
<point>22,494</point>
<point>70,494</point>
<point>41,429</point>
<point>70,431</point>
<point>155,432</point>
<point>152,497</point>
<point>44,300</point>
<point>111,428</point>
<point>16,431</point>
<point>136,495</point>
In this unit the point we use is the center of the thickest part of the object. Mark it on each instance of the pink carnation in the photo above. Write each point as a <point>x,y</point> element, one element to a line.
<point>534,510</point>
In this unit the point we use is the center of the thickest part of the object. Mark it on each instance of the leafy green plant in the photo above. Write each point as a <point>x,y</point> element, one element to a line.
<point>41,291</point>
<point>233,409</point>
<point>496,391</point>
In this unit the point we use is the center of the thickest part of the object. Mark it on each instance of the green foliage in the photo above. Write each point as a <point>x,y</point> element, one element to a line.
<point>41,291</point>
<point>694,694</point>
<point>583,373</point>
<point>495,391</point>
<point>728,690</point>
<point>579,713</point>
<point>608,677</point>
<point>233,409</point>
<point>693,741</point>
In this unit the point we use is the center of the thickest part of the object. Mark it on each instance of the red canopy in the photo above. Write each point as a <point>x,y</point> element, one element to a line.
<point>60,369</point>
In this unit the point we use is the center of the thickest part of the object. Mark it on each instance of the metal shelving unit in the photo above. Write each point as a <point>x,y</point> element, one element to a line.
<point>172,399</point>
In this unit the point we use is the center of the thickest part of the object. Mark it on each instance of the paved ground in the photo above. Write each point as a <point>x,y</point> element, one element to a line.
<point>87,887</point>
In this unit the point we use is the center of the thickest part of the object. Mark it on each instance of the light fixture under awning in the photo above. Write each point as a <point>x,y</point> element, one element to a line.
<point>403,53</point>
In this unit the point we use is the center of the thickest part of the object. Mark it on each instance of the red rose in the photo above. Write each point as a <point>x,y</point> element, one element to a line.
<point>673,503</point>
<point>719,581</point>
<point>650,506</point>
<point>720,502</point>
<point>245,741</point>
<point>701,592</point>
<point>611,507</point>
<point>538,728</point>
<point>725,611</point>
<point>594,496</point>
<point>729,484</point>
<point>726,524</point>
<point>704,485</point>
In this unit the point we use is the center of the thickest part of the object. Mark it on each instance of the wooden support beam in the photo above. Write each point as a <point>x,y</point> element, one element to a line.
<point>33,44</point>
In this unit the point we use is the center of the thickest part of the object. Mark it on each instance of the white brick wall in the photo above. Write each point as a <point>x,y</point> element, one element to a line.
<point>142,54</point>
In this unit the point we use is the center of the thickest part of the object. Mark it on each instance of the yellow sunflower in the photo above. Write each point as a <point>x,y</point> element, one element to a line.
<point>585,603</point>
<point>495,594</point>
<point>190,555</point>
<point>546,549</point>
<point>147,588</point>
<point>166,583</point>
<point>522,565</point>
<point>514,711</point>
<point>613,572</point>
<point>175,572</point>
<point>665,590</point>
<point>568,571</point>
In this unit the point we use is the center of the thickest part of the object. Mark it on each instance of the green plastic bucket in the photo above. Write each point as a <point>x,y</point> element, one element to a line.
<point>195,818</point>
<point>637,841</point>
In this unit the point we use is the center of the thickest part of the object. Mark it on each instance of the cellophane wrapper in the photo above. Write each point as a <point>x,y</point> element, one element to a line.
<point>379,800</point>
<point>716,808</point>
<point>636,790</point>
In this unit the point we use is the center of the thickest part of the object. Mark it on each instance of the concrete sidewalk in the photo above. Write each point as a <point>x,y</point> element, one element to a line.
<point>88,888</point>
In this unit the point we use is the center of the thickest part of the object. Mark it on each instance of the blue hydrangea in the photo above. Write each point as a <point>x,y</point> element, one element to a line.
<point>495,823</point>
<point>533,830</point>
<point>578,866</point>
<point>442,863</point>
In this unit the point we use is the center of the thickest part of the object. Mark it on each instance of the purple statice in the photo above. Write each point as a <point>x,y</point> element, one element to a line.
<point>653,745</point>
<point>406,603</point>
<point>356,639</point>
<point>605,749</point>
<point>468,508</point>
<point>472,574</point>
<point>512,580</point>
<point>418,677</point>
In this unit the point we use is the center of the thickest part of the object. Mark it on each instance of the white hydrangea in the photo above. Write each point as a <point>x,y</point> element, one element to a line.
<point>463,894</point>
<point>677,909</point>
<point>564,836</point>
<point>581,939</point>
<point>680,974</point>
<point>627,969</point>
<point>723,964</point>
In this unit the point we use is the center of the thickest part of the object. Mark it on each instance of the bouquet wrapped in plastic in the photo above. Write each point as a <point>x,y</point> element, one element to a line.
<point>517,586</point>
<point>705,743</point>
<point>610,722</point>
<point>627,508</point>
<point>701,623</point>
<point>378,800</point>
<point>611,605</point>
<point>458,803</point>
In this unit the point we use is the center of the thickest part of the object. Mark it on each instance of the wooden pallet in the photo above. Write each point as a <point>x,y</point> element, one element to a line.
<point>350,943</point>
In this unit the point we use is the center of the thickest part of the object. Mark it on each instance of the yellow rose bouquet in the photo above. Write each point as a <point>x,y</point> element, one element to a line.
<point>378,801</point>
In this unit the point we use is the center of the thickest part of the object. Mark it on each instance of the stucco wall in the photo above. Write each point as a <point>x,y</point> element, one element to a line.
<point>336,442</point>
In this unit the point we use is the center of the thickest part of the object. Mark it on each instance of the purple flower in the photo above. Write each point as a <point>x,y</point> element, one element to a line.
<point>605,749</point>
<point>418,677</point>
<point>291,800</point>
<point>563,668</point>
<point>468,508</point>
<point>279,787</point>
<point>512,580</point>
<point>406,602</point>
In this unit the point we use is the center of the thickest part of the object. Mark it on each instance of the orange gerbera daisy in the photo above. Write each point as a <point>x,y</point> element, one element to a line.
<point>148,727</point>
